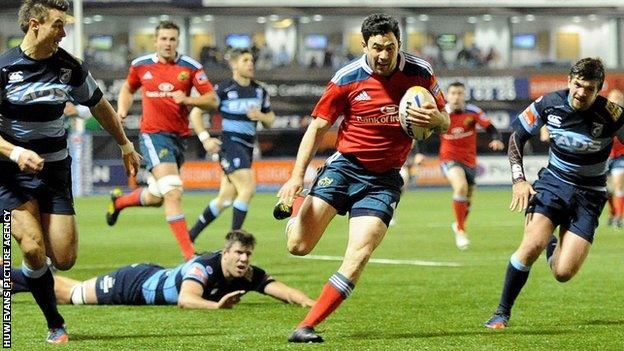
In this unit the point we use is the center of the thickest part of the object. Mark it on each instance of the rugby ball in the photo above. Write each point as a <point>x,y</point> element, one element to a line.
<point>414,96</point>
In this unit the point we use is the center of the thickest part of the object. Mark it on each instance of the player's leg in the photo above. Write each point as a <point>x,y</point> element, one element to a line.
<point>27,231</point>
<point>569,255</point>
<point>537,232</point>
<point>170,185</point>
<point>405,175</point>
<point>610,194</point>
<point>618,195</point>
<point>245,184</point>
<point>305,228</point>
<point>224,199</point>
<point>457,178</point>
<point>61,239</point>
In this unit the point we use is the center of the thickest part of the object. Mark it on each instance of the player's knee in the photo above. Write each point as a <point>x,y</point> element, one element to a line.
<point>298,247</point>
<point>563,275</point>
<point>33,251</point>
<point>65,263</point>
<point>170,186</point>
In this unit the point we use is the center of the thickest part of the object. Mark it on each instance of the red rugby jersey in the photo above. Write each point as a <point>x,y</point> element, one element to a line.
<point>617,150</point>
<point>459,143</point>
<point>157,80</point>
<point>369,103</point>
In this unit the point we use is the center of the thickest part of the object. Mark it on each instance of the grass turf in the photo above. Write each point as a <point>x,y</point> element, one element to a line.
<point>394,307</point>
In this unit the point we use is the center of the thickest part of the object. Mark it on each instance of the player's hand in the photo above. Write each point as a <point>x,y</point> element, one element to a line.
<point>254,114</point>
<point>307,303</point>
<point>231,299</point>
<point>179,97</point>
<point>212,145</point>
<point>121,115</point>
<point>427,116</point>
<point>132,162</point>
<point>290,190</point>
<point>419,158</point>
<point>496,145</point>
<point>30,162</point>
<point>521,193</point>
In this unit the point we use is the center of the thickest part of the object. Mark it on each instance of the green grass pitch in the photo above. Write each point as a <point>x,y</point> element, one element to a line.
<point>394,307</point>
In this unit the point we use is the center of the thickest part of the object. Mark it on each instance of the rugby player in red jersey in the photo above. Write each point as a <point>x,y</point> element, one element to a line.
<point>362,177</point>
<point>166,79</point>
<point>616,172</point>
<point>458,154</point>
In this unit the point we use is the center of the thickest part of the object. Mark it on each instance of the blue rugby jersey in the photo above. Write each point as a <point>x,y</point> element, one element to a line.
<point>580,141</point>
<point>33,94</point>
<point>234,103</point>
<point>163,287</point>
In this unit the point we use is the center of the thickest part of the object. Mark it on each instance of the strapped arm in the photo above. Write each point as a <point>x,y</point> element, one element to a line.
<point>515,153</point>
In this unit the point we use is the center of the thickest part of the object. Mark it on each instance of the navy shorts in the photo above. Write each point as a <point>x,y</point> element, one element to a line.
<point>51,187</point>
<point>471,173</point>
<point>571,207</point>
<point>236,152</point>
<point>162,147</point>
<point>123,286</point>
<point>349,187</point>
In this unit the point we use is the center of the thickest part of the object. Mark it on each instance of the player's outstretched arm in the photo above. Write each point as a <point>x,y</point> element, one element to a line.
<point>287,294</point>
<point>105,115</point>
<point>191,297</point>
<point>27,160</point>
<point>521,190</point>
<point>124,101</point>
<point>307,149</point>
<point>266,119</point>
<point>207,101</point>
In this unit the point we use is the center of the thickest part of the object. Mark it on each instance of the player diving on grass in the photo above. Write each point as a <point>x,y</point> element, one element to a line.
<point>210,281</point>
<point>570,192</point>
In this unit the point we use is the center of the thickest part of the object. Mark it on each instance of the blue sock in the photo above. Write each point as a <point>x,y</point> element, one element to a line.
<point>18,281</point>
<point>515,278</point>
<point>210,213</point>
<point>239,214</point>
<point>550,248</point>
<point>41,284</point>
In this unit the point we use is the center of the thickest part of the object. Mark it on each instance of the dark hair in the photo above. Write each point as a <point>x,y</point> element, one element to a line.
<point>167,25</point>
<point>38,9</point>
<point>235,53</point>
<point>457,85</point>
<point>380,24</point>
<point>589,69</point>
<point>241,236</point>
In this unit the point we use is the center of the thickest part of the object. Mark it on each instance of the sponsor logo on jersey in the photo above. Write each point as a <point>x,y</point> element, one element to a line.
<point>325,181</point>
<point>16,77</point>
<point>614,110</point>
<point>390,110</point>
<point>165,86</point>
<point>65,75</point>
<point>362,96</point>
<point>554,120</point>
<point>147,76</point>
<point>577,144</point>
<point>232,94</point>
<point>184,75</point>
<point>209,270</point>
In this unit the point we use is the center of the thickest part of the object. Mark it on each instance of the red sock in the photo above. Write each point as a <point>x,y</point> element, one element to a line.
<point>619,205</point>
<point>128,200</point>
<point>611,205</point>
<point>180,231</point>
<point>461,211</point>
<point>326,303</point>
<point>297,206</point>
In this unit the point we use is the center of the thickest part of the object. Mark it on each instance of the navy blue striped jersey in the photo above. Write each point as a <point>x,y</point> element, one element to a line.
<point>236,100</point>
<point>33,95</point>
<point>580,141</point>
<point>163,287</point>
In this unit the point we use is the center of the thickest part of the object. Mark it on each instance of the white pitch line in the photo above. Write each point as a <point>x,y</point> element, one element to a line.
<point>489,224</point>
<point>385,261</point>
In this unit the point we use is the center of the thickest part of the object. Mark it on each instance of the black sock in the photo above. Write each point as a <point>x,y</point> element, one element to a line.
<point>515,278</point>
<point>18,281</point>
<point>239,212</point>
<point>42,289</point>
<point>210,213</point>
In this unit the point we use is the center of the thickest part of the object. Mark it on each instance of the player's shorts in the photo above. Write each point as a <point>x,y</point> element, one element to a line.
<point>51,187</point>
<point>349,187</point>
<point>471,173</point>
<point>123,286</point>
<point>616,165</point>
<point>571,207</point>
<point>236,152</point>
<point>162,147</point>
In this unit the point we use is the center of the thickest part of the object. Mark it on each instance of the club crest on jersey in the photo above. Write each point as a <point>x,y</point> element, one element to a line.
<point>325,181</point>
<point>163,153</point>
<point>554,120</point>
<point>65,75</point>
<point>16,77</point>
<point>184,75</point>
<point>596,129</point>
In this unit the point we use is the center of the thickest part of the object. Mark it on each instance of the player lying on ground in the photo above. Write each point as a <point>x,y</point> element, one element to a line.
<point>210,281</point>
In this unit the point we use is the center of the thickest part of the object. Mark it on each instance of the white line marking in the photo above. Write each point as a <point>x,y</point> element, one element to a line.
<point>488,224</point>
<point>385,261</point>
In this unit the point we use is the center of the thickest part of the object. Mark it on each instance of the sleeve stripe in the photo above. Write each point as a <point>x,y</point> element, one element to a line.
<point>191,61</point>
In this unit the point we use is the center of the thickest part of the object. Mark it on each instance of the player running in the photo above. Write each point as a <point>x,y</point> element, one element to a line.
<point>362,178</point>
<point>210,281</point>
<point>570,193</point>
<point>37,78</point>
<point>242,103</point>
<point>458,154</point>
<point>615,174</point>
<point>166,79</point>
